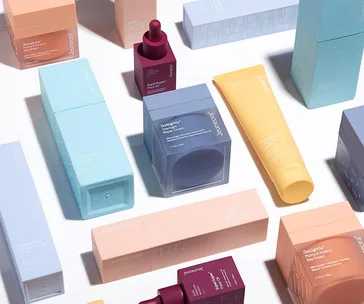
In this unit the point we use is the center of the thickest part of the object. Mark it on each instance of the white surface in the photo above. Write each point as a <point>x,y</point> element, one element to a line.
<point>22,118</point>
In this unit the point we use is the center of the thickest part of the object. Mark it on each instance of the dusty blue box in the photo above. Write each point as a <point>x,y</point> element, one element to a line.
<point>328,50</point>
<point>90,148</point>
<point>186,139</point>
<point>26,230</point>
<point>212,22</point>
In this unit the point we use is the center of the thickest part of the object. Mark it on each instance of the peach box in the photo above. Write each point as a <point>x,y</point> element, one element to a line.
<point>178,235</point>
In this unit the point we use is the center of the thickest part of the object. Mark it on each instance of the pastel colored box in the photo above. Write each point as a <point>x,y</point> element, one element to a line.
<point>178,235</point>
<point>27,234</point>
<point>42,31</point>
<point>349,158</point>
<point>320,253</point>
<point>328,50</point>
<point>187,140</point>
<point>88,143</point>
<point>212,22</point>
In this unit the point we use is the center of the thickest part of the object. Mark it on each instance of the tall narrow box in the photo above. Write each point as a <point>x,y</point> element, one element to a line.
<point>88,143</point>
<point>212,22</point>
<point>26,230</point>
<point>328,50</point>
<point>186,139</point>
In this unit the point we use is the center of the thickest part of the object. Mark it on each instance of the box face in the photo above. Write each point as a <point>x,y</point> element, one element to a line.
<point>352,125</point>
<point>44,287</point>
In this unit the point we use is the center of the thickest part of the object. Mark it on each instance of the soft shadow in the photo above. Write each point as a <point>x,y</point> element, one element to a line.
<point>8,273</point>
<point>91,268</point>
<point>144,164</point>
<point>7,55</point>
<point>52,158</point>
<point>179,26</point>
<point>278,281</point>
<point>99,17</point>
<point>129,81</point>
<point>331,163</point>
<point>282,64</point>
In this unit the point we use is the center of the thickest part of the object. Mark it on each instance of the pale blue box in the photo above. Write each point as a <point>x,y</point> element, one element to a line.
<point>90,148</point>
<point>26,230</point>
<point>328,50</point>
<point>212,22</point>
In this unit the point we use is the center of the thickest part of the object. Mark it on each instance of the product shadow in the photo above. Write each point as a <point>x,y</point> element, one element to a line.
<point>8,273</point>
<point>52,158</point>
<point>282,64</point>
<point>278,281</point>
<point>331,164</point>
<point>7,55</point>
<point>91,268</point>
<point>129,81</point>
<point>98,16</point>
<point>179,26</point>
<point>142,159</point>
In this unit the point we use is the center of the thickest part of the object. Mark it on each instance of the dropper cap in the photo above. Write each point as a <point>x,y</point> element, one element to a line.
<point>155,41</point>
<point>169,295</point>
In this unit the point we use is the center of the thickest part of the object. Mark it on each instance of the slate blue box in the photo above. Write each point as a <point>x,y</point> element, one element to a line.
<point>349,158</point>
<point>90,148</point>
<point>186,139</point>
<point>26,230</point>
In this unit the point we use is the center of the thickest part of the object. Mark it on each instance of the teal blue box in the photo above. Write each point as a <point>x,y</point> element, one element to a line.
<point>328,50</point>
<point>91,151</point>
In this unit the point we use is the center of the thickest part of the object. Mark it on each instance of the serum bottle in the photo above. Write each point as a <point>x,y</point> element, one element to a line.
<point>154,62</point>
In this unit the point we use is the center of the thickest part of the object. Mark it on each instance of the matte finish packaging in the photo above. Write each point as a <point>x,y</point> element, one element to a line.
<point>27,234</point>
<point>178,235</point>
<point>42,31</point>
<point>212,22</point>
<point>320,253</point>
<point>328,50</point>
<point>88,143</point>
<point>187,140</point>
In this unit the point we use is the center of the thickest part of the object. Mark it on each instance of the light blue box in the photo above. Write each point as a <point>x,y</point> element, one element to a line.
<point>328,50</point>
<point>187,140</point>
<point>90,148</point>
<point>212,22</point>
<point>26,230</point>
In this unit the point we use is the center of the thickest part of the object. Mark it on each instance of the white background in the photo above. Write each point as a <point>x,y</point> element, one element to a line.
<point>22,118</point>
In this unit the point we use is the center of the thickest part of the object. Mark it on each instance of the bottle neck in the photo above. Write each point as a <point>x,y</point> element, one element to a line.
<point>168,295</point>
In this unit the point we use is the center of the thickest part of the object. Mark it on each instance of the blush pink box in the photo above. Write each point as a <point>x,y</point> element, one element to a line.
<point>178,235</point>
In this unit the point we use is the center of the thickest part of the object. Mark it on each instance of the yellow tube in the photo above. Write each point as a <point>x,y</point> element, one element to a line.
<point>250,97</point>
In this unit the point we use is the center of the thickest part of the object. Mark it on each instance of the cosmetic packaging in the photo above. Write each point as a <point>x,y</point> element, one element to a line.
<point>26,231</point>
<point>212,22</point>
<point>328,50</point>
<point>154,62</point>
<point>349,158</point>
<point>42,31</point>
<point>92,154</point>
<point>267,130</point>
<point>320,253</point>
<point>97,302</point>
<point>178,235</point>
<point>215,282</point>
<point>187,140</point>
<point>132,19</point>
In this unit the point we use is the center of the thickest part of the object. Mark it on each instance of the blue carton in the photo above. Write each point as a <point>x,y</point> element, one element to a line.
<point>27,234</point>
<point>186,139</point>
<point>90,148</point>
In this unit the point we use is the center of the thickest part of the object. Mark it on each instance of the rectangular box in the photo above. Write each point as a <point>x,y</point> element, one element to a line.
<point>320,253</point>
<point>178,235</point>
<point>186,139</point>
<point>212,22</point>
<point>26,230</point>
<point>88,143</point>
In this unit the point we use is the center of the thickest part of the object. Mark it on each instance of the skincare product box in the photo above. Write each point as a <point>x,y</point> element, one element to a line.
<point>25,227</point>
<point>178,235</point>
<point>88,143</point>
<point>212,22</point>
<point>349,158</point>
<point>42,31</point>
<point>320,253</point>
<point>186,139</point>
<point>328,50</point>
